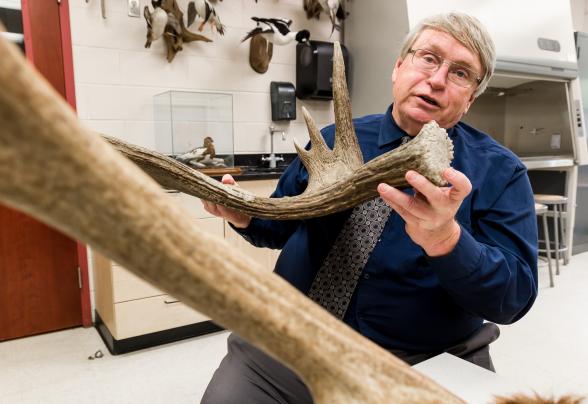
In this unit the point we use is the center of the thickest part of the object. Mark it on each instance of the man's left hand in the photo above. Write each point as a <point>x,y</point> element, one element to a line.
<point>430,213</point>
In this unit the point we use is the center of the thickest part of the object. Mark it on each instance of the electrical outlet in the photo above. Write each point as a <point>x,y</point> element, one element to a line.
<point>134,8</point>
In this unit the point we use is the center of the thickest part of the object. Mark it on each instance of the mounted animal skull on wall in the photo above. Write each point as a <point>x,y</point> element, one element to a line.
<point>167,21</point>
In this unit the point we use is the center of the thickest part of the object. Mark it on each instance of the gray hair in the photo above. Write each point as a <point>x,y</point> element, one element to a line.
<point>465,29</point>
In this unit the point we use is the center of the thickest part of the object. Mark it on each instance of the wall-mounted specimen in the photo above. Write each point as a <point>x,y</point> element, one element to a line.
<point>208,14</point>
<point>333,8</point>
<point>167,14</point>
<point>270,31</point>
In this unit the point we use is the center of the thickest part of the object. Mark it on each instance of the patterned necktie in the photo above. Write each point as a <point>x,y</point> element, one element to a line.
<point>337,277</point>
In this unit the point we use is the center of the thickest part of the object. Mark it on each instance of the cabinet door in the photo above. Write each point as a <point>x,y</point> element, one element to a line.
<point>264,256</point>
<point>144,316</point>
<point>127,286</point>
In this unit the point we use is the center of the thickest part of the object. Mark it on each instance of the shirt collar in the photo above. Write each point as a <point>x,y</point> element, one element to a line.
<point>390,132</point>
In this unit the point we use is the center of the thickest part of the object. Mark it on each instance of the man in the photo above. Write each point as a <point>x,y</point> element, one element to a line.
<point>445,259</point>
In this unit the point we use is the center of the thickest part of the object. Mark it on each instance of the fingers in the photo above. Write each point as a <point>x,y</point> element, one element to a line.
<point>461,185</point>
<point>407,206</point>
<point>422,185</point>
<point>237,219</point>
<point>213,208</point>
<point>228,180</point>
<point>210,207</point>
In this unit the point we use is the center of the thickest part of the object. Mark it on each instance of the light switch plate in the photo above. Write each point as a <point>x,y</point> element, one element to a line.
<point>555,142</point>
<point>134,8</point>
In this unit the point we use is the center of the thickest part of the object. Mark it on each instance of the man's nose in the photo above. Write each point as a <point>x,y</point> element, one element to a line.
<point>438,79</point>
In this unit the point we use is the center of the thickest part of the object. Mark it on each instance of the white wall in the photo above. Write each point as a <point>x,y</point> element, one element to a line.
<point>579,15</point>
<point>116,77</point>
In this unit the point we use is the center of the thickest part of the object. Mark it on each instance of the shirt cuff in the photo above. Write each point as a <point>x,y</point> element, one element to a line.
<point>461,262</point>
<point>248,231</point>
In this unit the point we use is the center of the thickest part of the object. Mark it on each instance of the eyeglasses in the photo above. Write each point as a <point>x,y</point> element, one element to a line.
<point>427,61</point>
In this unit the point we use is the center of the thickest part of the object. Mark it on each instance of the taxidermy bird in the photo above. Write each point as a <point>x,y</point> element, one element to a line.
<point>175,33</point>
<point>312,8</point>
<point>208,14</point>
<point>156,22</point>
<point>276,31</point>
<point>202,156</point>
<point>334,8</point>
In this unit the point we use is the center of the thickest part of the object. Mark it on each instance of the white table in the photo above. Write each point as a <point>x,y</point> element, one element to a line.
<point>466,380</point>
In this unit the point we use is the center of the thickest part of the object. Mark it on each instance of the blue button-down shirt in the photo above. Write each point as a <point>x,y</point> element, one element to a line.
<point>406,300</point>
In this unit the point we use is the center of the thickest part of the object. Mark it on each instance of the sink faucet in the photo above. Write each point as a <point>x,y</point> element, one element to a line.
<point>272,159</point>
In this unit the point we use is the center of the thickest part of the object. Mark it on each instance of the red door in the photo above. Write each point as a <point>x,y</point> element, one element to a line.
<point>43,273</point>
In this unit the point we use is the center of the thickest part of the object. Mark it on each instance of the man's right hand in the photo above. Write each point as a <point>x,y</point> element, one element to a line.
<point>237,219</point>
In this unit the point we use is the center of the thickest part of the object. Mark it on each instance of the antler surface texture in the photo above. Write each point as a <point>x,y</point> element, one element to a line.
<point>338,179</point>
<point>54,169</point>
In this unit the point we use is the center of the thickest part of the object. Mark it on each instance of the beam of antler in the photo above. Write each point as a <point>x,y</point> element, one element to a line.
<point>54,169</point>
<point>338,179</point>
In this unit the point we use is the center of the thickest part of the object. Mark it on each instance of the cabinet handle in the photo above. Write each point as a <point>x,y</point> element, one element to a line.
<point>171,301</point>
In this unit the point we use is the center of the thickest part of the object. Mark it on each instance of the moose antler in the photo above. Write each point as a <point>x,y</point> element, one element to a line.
<point>338,179</point>
<point>53,168</point>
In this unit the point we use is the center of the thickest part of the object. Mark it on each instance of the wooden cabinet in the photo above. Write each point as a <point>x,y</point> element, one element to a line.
<point>132,314</point>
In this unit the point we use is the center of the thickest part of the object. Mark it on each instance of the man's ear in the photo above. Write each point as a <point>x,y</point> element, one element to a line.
<point>396,66</point>
<point>469,103</point>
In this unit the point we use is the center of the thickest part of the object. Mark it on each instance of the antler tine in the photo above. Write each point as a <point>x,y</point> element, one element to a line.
<point>316,139</point>
<point>302,153</point>
<point>346,144</point>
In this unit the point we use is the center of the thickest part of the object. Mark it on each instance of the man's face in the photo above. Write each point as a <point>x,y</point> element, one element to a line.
<point>414,89</point>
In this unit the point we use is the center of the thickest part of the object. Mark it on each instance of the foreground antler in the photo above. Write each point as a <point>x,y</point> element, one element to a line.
<point>338,179</point>
<point>54,169</point>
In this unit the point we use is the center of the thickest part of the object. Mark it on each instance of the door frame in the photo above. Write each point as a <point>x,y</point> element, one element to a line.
<point>70,97</point>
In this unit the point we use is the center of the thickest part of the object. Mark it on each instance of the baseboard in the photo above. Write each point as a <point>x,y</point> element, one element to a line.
<point>117,347</point>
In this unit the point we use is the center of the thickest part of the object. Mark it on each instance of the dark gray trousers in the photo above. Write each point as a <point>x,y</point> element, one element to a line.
<point>246,375</point>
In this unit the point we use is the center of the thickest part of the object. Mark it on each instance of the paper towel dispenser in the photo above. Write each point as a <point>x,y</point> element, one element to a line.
<point>314,68</point>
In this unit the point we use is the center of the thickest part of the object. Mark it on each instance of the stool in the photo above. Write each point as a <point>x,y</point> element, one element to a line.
<point>557,210</point>
<point>542,212</point>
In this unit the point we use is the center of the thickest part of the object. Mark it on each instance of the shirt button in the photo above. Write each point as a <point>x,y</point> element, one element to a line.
<point>366,276</point>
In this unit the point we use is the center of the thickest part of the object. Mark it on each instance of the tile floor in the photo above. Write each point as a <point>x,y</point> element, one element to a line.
<point>547,350</point>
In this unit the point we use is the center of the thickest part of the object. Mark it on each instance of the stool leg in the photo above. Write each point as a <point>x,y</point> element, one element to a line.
<point>556,227</point>
<point>562,225</point>
<point>547,248</point>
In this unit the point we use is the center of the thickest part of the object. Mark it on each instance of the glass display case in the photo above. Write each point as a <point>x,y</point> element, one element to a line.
<point>195,128</point>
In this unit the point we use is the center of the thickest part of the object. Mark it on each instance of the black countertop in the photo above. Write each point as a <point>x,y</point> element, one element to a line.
<point>256,173</point>
<point>253,168</point>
